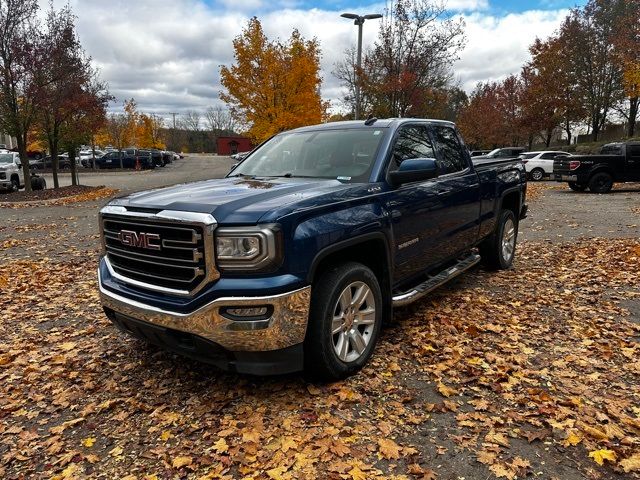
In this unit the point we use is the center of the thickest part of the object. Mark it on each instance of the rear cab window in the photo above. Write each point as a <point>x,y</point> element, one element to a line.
<point>451,156</point>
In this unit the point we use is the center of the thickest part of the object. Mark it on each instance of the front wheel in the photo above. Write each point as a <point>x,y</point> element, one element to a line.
<point>344,321</point>
<point>577,187</point>
<point>15,184</point>
<point>499,250</point>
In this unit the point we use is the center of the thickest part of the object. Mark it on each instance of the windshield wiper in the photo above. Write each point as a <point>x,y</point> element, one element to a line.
<point>241,175</point>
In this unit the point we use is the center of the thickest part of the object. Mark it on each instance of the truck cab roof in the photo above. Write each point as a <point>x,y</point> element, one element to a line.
<point>372,123</point>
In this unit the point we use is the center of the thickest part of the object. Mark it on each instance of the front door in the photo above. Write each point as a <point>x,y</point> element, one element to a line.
<point>459,190</point>
<point>633,163</point>
<point>414,208</point>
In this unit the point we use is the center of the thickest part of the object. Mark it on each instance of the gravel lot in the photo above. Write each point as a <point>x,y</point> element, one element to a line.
<point>513,374</point>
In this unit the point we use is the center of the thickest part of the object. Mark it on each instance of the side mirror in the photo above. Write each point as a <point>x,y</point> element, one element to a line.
<point>414,170</point>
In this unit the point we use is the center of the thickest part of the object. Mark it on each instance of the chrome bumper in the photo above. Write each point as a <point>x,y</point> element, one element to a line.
<point>286,326</point>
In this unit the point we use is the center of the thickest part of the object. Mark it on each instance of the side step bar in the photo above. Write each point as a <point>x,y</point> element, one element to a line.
<point>435,281</point>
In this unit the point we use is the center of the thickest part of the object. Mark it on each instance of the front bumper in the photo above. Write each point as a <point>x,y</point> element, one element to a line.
<point>264,346</point>
<point>6,185</point>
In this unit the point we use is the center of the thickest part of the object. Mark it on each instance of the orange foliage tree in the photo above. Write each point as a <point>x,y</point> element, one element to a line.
<point>273,86</point>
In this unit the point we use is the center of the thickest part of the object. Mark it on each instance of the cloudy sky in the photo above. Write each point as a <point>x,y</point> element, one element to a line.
<point>166,53</point>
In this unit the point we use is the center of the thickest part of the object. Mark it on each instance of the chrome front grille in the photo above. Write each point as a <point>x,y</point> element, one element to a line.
<point>150,251</point>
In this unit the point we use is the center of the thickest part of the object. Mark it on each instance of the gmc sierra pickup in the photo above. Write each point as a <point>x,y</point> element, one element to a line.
<point>297,257</point>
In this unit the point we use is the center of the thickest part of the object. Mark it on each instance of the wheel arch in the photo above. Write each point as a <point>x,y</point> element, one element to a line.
<point>371,250</point>
<point>512,200</point>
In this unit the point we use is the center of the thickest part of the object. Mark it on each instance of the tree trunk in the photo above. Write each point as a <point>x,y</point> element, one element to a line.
<point>595,130</point>
<point>567,128</point>
<point>24,160</point>
<point>634,106</point>
<point>120,156</point>
<point>548,138</point>
<point>54,165</point>
<point>74,167</point>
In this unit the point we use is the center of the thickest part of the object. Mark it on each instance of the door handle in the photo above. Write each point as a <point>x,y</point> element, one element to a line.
<point>443,191</point>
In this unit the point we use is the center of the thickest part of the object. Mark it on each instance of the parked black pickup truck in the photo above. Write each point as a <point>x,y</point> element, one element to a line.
<point>298,256</point>
<point>616,163</point>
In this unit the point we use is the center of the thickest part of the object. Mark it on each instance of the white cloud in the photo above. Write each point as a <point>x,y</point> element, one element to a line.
<point>167,53</point>
<point>499,46</point>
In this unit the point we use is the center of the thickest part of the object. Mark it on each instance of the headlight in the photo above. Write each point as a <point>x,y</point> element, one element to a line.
<point>247,248</point>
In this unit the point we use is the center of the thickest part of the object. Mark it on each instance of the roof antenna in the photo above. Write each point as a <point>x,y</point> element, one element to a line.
<point>370,120</point>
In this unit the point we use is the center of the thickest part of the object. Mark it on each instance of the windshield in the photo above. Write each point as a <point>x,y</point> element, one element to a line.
<point>493,153</point>
<point>344,154</point>
<point>6,158</point>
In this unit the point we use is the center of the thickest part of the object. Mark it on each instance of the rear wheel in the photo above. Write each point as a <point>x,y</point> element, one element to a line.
<point>577,187</point>
<point>499,250</point>
<point>537,174</point>
<point>601,183</point>
<point>344,321</point>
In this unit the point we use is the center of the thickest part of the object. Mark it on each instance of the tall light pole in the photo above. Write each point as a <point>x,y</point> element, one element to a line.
<point>359,21</point>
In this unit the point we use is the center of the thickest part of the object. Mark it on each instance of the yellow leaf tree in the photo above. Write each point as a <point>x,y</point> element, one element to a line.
<point>273,86</point>
<point>149,129</point>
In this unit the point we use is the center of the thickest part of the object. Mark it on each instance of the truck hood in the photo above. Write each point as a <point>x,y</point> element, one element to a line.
<point>236,200</point>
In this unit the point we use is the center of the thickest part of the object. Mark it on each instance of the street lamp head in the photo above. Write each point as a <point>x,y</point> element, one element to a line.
<point>372,16</point>
<point>351,16</point>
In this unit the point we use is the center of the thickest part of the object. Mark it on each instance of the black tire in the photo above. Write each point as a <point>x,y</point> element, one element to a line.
<point>601,183</point>
<point>537,174</point>
<point>15,184</point>
<point>577,187</point>
<point>322,362</point>
<point>492,250</point>
<point>38,183</point>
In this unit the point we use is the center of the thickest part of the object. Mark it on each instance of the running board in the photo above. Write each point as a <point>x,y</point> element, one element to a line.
<point>435,281</point>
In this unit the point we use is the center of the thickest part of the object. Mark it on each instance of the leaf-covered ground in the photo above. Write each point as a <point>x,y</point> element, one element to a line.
<point>532,372</point>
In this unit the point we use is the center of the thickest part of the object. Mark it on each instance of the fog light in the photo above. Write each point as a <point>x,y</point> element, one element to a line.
<point>247,313</point>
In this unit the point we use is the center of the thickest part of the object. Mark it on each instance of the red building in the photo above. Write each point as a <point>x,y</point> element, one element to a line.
<point>231,145</point>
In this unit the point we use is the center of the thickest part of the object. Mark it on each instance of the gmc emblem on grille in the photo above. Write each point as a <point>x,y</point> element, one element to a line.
<point>150,241</point>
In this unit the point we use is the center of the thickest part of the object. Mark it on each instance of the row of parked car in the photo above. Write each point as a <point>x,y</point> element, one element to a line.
<point>617,162</point>
<point>538,164</point>
<point>110,158</point>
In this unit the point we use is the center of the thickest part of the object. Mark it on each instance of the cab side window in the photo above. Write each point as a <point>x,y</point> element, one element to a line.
<point>634,151</point>
<point>412,142</point>
<point>452,158</point>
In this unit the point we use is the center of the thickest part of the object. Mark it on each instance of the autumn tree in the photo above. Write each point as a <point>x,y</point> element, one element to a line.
<point>552,98</point>
<point>65,74</point>
<point>408,70</point>
<point>150,131</point>
<point>273,86</point>
<point>626,42</point>
<point>88,116</point>
<point>20,63</point>
<point>117,127</point>
<point>588,35</point>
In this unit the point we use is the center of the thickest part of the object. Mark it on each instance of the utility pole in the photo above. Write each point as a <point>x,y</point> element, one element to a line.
<point>359,21</point>
<point>173,130</point>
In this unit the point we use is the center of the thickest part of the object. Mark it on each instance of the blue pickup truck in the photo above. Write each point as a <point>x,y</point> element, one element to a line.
<point>297,258</point>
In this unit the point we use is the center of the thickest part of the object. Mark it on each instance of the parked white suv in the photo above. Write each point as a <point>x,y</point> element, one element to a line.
<point>11,176</point>
<point>540,164</point>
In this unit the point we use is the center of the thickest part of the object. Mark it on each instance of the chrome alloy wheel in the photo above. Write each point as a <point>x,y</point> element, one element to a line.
<point>354,316</point>
<point>508,240</point>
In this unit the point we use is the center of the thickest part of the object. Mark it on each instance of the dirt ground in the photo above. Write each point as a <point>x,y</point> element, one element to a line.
<point>528,373</point>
